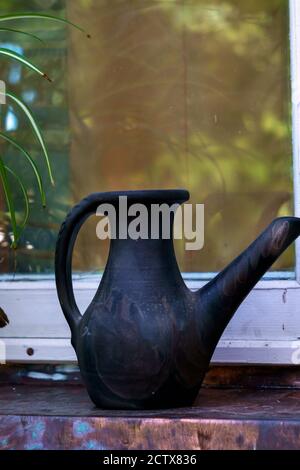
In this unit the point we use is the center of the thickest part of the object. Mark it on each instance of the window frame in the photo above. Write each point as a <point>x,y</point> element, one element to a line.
<point>264,330</point>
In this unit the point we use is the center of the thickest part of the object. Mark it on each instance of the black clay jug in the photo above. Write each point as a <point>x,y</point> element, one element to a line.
<point>146,340</point>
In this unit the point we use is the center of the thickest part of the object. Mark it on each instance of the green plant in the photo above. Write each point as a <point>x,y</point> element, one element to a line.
<point>5,170</point>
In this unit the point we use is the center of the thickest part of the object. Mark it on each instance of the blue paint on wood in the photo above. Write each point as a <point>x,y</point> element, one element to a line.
<point>34,446</point>
<point>37,430</point>
<point>4,442</point>
<point>92,445</point>
<point>81,428</point>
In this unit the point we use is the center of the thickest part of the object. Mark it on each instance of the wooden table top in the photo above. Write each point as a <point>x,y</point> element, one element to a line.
<point>62,417</point>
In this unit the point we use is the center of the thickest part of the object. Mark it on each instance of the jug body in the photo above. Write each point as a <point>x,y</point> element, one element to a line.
<point>136,342</point>
<point>129,338</point>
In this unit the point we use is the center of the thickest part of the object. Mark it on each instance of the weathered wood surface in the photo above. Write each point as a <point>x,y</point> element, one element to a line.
<point>62,417</point>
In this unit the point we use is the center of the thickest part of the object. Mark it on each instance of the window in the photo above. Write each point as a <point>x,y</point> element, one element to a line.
<point>191,94</point>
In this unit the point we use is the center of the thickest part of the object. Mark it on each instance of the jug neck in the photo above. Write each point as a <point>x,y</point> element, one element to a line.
<point>143,269</point>
<point>142,237</point>
<point>131,259</point>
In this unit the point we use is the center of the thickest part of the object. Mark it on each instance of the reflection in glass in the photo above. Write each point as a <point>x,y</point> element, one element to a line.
<point>166,94</point>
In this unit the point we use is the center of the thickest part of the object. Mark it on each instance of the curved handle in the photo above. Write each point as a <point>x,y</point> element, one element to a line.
<point>63,256</point>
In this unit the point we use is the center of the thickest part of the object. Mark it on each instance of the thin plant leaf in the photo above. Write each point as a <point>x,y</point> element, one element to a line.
<point>32,163</point>
<point>24,61</point>
<point>25,16</point>
<point>25,195</point>
<point>10,203</point>
<point>17,31</point>
<point>35,128</point>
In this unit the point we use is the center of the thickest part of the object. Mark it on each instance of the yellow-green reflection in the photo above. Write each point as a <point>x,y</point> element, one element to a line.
<point>167,93</point>
<point>188,94</point>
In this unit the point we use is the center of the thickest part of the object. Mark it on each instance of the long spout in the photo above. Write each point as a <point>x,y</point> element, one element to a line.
<point>219,299</point>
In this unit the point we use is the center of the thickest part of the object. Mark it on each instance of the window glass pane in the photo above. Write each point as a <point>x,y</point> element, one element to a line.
<point>192,94</point>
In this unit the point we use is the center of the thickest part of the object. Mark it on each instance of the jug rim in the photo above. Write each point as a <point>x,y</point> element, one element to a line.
<point>148,195</point>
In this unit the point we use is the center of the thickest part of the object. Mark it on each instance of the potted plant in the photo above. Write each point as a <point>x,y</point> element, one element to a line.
<point>7,173</point>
